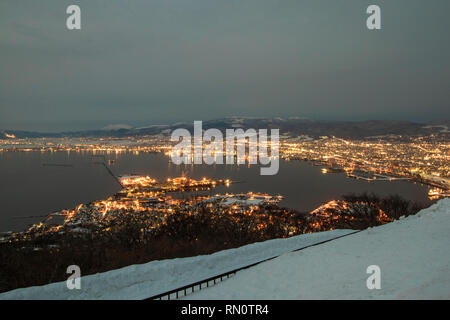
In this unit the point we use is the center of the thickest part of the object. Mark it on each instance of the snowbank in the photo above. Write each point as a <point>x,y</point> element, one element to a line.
<point>145,280</point>
<point>413,254</point>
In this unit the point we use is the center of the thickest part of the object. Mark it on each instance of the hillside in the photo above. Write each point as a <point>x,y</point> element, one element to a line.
<point>145,280</point>
<point>412,253</point>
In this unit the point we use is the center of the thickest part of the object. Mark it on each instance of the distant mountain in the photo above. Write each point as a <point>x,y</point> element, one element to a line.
<point>293,126</point>
<point>117,127</point>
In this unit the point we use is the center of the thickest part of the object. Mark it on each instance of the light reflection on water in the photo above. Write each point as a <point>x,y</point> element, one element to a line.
<point>28,188</point>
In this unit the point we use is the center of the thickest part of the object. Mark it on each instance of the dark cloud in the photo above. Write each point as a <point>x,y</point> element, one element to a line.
<point>161,61</point>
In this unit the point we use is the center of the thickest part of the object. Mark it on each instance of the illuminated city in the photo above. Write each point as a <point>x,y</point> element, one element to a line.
<point>224,150</point>
<point>149,202</point>
<point>425,159</point>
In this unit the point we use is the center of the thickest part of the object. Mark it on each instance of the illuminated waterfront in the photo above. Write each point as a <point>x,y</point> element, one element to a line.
<point>46,189</point>
<point>115,202</point>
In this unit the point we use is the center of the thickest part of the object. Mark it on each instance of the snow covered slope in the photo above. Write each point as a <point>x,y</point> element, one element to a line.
<point>145,280</point>
<point>413,254</point>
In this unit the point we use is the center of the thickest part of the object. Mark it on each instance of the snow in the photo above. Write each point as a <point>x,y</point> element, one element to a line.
<point>444,128</point>
<point>145,280</point>
<point>113,127</point>
<point>413,254</point>
<point>153,126</point>
<point>242,202</point>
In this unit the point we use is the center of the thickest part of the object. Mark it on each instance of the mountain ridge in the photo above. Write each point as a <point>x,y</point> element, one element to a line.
<point>293,126</point>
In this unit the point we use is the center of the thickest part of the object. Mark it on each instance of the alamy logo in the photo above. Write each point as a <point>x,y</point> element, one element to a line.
<point>374,20</point>
<point>73,22</point>
<point>374,280</point>
<point>74,280</point>
<point>188,151</point>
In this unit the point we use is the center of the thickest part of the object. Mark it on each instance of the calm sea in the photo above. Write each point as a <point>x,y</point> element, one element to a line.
<point>33,184</point>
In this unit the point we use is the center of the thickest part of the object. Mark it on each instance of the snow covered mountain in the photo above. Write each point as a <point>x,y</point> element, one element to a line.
<point>145,280</point>
<point>413,254</point>
<point>289,125</point>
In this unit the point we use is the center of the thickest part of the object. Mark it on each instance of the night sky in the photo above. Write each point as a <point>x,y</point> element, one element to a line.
<point>142,62</point>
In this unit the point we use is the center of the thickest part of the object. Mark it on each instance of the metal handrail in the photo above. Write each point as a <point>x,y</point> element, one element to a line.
<point>192,286</point>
